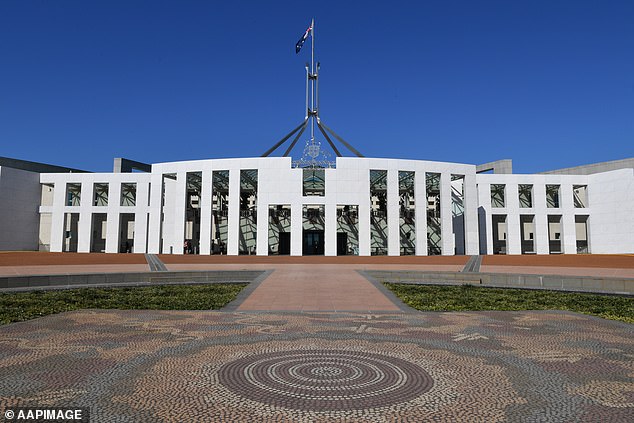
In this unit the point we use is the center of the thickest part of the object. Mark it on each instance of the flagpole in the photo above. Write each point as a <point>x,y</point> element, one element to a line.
<point>312,113</point>
<point>312,74</point>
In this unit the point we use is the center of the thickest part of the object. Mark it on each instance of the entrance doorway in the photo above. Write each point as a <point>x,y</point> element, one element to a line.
<point>342,243</point>
<point>313,243</point>
<point>284,247</point>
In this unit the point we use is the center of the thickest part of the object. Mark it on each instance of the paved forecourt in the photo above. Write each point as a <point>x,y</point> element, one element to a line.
<point>315,341</point>
<point>174,366</point>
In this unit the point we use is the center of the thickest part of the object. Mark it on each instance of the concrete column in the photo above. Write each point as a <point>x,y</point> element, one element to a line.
<point>113,219</point>
<point>364,225</point>
<point>262,242</point>
<point>234,212</point>
<point>513,235</point>
<point>446,221</point>
<point>206,198</point>
<point>485,220</point>
<point>541,234</point>
<point>112,231</point>
<point>178,234</point>
<point>470,200</point>
<point>541,219</point>
<point>568,229</point>
<point>513,242</point>
<point>420,197</point>
<point>393,220</point>
<point>569,233</point>
<point>330,229</point>
<point>297,228</point>
<point>84,227</point>
<point>57,217</point>
<point>140,230</point>
<point>154,233</point>
<point>141,217</point>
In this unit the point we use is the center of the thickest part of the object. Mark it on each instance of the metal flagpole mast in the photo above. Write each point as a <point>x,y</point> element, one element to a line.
<point>307,87</point>
<point>312,78</point>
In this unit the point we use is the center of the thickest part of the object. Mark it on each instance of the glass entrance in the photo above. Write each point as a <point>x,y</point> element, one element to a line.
<point>285,244</point>
<point>342,243</point>
<point>313,243</point>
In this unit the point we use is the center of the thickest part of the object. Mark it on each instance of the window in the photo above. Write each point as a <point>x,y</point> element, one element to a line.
<point>128,194</point>
<point>314,182</point>
<point>552,196</point>
<point>581,229</point>
<point>220,211</point>
<point>580,196</point>
<point>378,212</point>
<point>100,195</point>
<point>247,239</point>
<point>525,195</point>
<point>434,227</point>
<point>73,194</point>
<point>407,215</point>
<point>46,198</point>
<point>497,195</point>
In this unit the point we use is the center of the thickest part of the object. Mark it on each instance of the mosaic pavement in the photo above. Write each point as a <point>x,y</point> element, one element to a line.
<point>218,366</point>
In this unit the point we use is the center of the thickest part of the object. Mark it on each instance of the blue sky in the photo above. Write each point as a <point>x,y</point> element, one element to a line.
<point>549,84</point>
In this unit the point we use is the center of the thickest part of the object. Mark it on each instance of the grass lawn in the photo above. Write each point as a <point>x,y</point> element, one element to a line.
<point>19,306</point>
<point>469,297</point>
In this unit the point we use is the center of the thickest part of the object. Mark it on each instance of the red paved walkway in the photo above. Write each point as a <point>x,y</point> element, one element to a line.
<point>317,288</point>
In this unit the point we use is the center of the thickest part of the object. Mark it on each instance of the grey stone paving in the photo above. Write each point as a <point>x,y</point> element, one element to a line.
<point>155,263</point>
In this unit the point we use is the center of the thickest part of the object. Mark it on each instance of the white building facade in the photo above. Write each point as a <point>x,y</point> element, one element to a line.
<point>362,206</point>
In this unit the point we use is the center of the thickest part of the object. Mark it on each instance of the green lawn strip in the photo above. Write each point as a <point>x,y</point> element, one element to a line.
<point>19,306</point>
<point>474,298</point>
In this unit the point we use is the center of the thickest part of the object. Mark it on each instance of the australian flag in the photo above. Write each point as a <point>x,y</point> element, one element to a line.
<point>301,41</point>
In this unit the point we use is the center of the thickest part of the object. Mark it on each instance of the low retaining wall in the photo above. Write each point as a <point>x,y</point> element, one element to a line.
<point>508,280</point>
<point>127,279</point>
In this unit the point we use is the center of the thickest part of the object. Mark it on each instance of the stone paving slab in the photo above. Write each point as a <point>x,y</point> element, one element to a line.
<point>175,366</point>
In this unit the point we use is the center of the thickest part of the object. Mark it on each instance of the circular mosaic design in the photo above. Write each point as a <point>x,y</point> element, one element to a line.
<point>325,380</point>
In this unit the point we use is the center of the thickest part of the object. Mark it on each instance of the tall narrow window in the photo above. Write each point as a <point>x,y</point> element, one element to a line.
<point>247,241</point>
<point>407,213</point>
<point>99,232</point>
<point>220,211</point>
<point>457,213</point>
<point>347,230</point>
<point>192,213</point>
<point>498,222</point>
<point>527,234</point>
<point>313,223</point>
<point>280,229</point>
<point>168,188</point>
<point>581,230</point>
<point>554,234</point>
<point>378,212</point>
<point>434,229</point>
